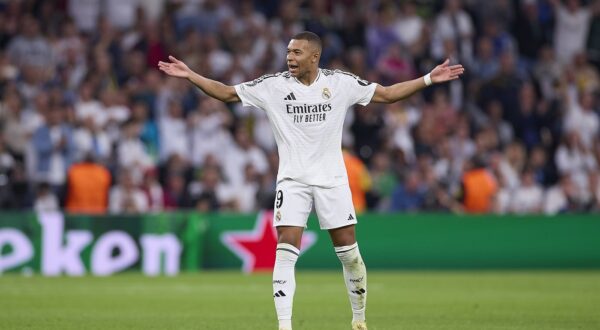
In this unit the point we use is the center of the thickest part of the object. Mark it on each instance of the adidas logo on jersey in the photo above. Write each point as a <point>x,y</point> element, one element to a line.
<point>350,217</point>
<point>290,97</point>
<point>279,294</point>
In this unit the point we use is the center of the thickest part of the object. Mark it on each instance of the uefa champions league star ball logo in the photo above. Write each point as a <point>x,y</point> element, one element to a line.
<point>256,247</point>
<point>326,93</point>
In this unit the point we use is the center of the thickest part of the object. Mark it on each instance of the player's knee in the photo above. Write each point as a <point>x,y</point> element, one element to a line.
<point>289,235</point>
<point>344,236</point>
<point>349,255</point>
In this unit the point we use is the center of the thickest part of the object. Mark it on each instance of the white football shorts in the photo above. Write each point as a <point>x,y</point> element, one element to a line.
<point>294,202</point>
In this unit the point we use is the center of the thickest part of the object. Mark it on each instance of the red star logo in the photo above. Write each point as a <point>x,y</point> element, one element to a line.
<point>257,247</point>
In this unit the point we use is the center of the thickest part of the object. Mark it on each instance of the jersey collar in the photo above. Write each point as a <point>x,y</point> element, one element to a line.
<point>316,79</point>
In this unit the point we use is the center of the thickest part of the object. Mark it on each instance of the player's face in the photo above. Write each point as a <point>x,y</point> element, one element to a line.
<point>301,56</point>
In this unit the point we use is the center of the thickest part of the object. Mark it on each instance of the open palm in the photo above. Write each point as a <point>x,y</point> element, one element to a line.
<point>445,72</point>
<point>175,68</point>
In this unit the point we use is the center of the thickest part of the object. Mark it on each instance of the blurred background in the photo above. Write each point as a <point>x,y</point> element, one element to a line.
<point>89,125</point>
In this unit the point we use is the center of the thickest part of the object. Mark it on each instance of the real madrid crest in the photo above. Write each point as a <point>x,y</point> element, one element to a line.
<point>278,216</point>
<point>326,93</point>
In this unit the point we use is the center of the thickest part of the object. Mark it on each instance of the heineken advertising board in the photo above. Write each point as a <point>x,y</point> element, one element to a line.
<point>168,243</point>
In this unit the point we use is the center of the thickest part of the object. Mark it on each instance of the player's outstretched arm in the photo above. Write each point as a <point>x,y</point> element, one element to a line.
<point>218,90</point>
<point>441,73</point>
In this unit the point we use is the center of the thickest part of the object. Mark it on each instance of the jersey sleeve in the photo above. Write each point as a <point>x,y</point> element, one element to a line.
<point>358,91</point>
<point>254,93</point>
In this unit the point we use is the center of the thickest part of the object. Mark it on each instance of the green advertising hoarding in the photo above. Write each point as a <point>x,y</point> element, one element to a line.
<point>435,241</point>
<point>56,244</point>
<point>167,243</point>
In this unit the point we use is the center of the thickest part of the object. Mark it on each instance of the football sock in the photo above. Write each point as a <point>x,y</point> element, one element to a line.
<point>284,282</point>
<point>355,275</point>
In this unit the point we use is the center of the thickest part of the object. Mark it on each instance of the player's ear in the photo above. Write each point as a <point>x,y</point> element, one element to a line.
<point>315,57</point>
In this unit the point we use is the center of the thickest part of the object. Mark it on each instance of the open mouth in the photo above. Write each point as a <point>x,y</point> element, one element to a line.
<point>292,67</point>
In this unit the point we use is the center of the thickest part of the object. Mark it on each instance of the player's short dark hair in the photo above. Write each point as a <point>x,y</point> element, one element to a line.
<point>310,37</point>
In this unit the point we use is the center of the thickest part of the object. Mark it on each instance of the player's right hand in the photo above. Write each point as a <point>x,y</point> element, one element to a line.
<point>175,68</point>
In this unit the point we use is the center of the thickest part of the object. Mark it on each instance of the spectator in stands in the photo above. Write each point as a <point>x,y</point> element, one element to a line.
<point>547,72</point>
<point>358,179</point>
<point>45,199</point>
<point>33,112</point>
<point>210,193</point>
<point>7,165</point>
<point>30,48</point>
<point>176,195</point>
<point>131,150</point>
<point>117,112</point>
<point>7,161</point>
<point>410,28</point>
<point>384,180</point>
<point>562,197</point>
<point>14,135</point>
<point>91,139</point>
<point>380,32</point>
<point>400,118</point>
<point>126,197</point>
<point>529,30</point>
<point>121,13</point>
<point>394,65</point>
<point>85,14</point>
<point>538,163</point>
<point>54,150</point>
<point>149,132</point>
<point>208,130</point>
<point>409,195</point>
<point>461,144</point>
<point>87,106</point>
<point>486,141</point>
<point>585,74</point>
<point>367,130</point>
<point>528,198</point>
<point>153,190</point>
<point>594,186</point>
<point>479,187</point>
<point>88,184</point>
<point>241,153</point>
<point>573,159</point>
<point>582,119</point>
<point>502,41</point>
<point>455,25</point>
<point>173,128</point>
<point>504,87</point>
<point>485,65</point>
<point>495,119</point>
<point>512,163</point>
<point>246,194</point>
<point>571,28</point>
<point>268,183</point>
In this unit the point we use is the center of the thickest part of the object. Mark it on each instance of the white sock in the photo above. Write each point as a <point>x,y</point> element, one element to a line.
<point>355,274</point>
<point>284,282</point>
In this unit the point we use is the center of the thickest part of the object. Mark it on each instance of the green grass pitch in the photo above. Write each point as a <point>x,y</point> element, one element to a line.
<point>229,300</point>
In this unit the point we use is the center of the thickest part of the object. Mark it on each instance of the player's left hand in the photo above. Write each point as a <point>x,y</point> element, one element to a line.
<point>445,72</point>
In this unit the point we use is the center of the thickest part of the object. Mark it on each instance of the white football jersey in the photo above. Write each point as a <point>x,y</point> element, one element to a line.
<point>307,121</point>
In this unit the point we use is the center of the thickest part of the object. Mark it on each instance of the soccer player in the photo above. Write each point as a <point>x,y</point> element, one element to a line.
<point>306,106</point>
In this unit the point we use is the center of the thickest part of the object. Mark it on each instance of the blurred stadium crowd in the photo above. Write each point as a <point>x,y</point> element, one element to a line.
<point>89,124</point>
